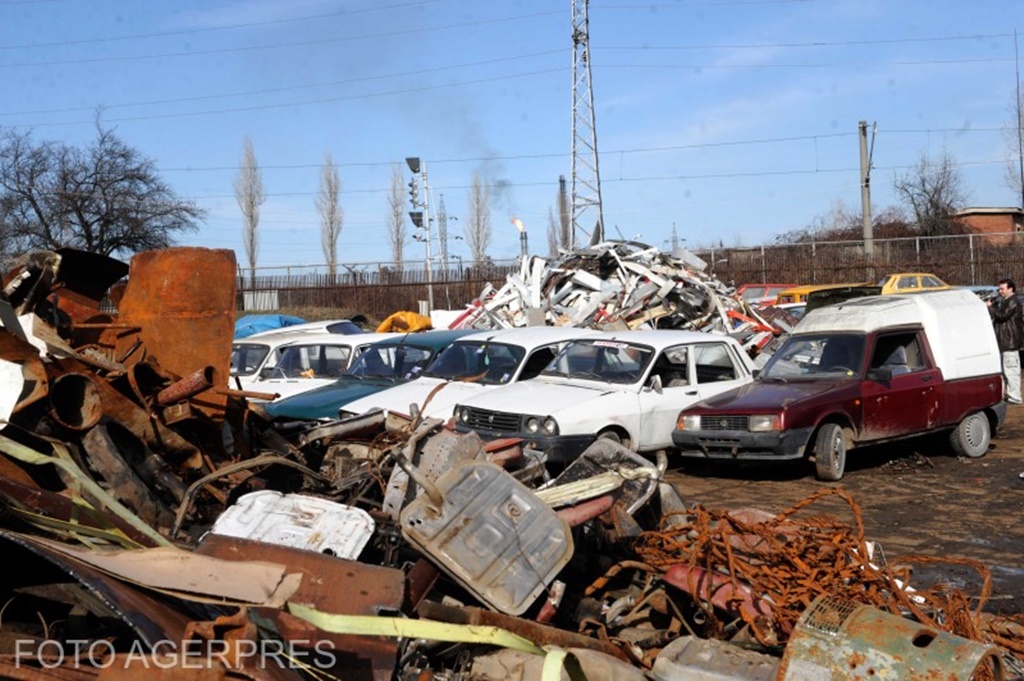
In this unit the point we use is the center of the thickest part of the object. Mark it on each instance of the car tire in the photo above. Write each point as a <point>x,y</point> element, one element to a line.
<point>830,452</point>
<point>972,436</point>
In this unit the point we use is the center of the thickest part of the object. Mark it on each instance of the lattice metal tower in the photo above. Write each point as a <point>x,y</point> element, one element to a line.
<point>586,178</point>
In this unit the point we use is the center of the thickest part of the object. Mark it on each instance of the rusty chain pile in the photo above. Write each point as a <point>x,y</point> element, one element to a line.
<point>785,564</point>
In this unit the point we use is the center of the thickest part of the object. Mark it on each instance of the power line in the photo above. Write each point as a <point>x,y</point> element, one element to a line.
<point>285,105</point>
<point>262,48</point>
<point>612,152</point>
<point>207,29</point>
<point>288,88</point>
<point>811,43</point>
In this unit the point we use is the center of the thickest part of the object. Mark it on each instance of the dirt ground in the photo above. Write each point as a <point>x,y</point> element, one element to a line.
<point>916,497</point>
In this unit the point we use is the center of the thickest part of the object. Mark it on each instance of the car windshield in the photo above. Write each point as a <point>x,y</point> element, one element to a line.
<point>601,360</point>
<point>312,361</point>
<point>247,357</point>
<point>816,356</point>
<point>478,362</point>
<point>404,362</point>
<point>345,327</point>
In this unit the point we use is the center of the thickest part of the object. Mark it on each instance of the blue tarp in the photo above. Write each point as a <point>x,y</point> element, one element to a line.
<point>255,323</point>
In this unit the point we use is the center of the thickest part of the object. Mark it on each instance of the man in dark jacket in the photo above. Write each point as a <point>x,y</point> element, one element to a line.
<point>1009,328</point>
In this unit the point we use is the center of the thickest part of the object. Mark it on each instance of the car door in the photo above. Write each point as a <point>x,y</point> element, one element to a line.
<point>906,402</point>
<point>688,373</point>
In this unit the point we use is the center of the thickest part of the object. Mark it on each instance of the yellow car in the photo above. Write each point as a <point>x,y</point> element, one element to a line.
<point>798,294</point>
<point>911,282</point>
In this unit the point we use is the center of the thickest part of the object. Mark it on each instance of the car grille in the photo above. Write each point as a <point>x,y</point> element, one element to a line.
<point>485,419</point>
<point>723,423</point>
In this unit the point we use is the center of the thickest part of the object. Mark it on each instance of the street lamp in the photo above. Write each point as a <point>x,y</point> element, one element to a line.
<point>421,219</point>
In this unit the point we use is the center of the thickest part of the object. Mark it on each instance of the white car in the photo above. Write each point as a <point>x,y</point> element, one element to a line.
<point>249,356</point>
<point>473,365</point>
<point>625,386</point>
<point>311,360</point>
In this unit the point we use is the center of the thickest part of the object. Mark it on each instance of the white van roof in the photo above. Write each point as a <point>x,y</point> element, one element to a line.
<point>956,322</point>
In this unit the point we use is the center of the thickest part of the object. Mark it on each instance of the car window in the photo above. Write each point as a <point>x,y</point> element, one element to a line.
<point>816,356</point>
<point>672,366</point>
<point>478,361</point>
<point>753,292</point>
<point>602,360</point>
<point>713,363</point>
<point>246,358</point>
<point>901,353</point>
<point>906,282</point>
<point>538,360</point>
<point>393,361</point>
<point>773,291</point>
<point>313,361</point>
<point>931,282</point>
<point>344,327</point>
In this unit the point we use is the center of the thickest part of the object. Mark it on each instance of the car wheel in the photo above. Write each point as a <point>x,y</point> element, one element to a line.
<point>830,452</point>
<point>972,436</point>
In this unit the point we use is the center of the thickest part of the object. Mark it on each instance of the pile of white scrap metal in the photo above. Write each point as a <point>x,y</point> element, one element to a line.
<point>618,285</point>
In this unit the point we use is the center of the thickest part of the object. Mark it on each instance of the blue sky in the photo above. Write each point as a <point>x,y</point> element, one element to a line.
<point>735,120</point>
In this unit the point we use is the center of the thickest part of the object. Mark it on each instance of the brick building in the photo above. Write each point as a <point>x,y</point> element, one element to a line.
<point>1004,224</point>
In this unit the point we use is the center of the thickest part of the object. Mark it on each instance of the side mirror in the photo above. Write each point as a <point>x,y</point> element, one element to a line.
<point>267,372</point>
<point>880,374</point>
<point>655,383</point>
<point>755,373</point>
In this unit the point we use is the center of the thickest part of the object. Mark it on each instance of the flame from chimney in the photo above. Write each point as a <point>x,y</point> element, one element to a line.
<point>519,225</point>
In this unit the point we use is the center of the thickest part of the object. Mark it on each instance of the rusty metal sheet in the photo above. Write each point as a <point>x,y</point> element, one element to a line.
<point>332,585</point>
<point>82,281</point>
<point>183,300</point>
<point>150,619</point>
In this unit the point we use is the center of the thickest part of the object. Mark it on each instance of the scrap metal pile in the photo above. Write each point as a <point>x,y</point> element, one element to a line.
<point>619,285</point>
<point>154,522</point>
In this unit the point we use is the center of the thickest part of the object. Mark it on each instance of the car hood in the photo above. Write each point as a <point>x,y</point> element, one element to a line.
<point>324,402</point>
<point>767,396</point>
<point>415,392</point>
<point>540,397</point>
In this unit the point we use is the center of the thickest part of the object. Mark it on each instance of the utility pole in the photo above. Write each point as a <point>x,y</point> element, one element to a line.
<point>421,219</point>
<point>674,239</point>
<point>442,234</point>
<point>1020,120</point>
<point>865,185</point>
<point>586,178</point>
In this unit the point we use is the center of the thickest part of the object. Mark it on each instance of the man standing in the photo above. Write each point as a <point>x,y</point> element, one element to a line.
<point>1009,328</point>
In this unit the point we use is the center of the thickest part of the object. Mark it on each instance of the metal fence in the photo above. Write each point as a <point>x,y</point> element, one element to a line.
<point>966,260</point>
<point>378,289</point>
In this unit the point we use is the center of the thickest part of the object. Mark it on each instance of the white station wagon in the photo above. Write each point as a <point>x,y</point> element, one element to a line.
<point>473,365</point>
<point>627,386</point>
<point>312,360</point>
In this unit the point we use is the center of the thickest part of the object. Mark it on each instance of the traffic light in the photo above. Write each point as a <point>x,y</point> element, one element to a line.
<point>414,191</point>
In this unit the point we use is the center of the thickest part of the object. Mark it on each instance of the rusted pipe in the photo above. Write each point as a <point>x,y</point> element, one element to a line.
<point>249,394</point>
<point>187,387</point>
<point>587,510</point>
<point>76,403</point>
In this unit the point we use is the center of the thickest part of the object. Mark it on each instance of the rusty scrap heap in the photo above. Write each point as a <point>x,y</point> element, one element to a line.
<point>153,522</point>
<point>618,285</point>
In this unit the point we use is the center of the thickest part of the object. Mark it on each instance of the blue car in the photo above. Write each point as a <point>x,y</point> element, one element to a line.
<point>384,364</point>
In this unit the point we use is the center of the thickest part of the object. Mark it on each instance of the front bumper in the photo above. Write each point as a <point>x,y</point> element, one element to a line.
<point>743,445</point>
<point>558,448</point>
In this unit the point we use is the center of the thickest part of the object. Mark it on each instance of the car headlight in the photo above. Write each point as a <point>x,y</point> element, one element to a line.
<point>688,422</point>
<point>532,424</point>
<point>763,423</point>
<point>550,426</point>
<point>462,413</point>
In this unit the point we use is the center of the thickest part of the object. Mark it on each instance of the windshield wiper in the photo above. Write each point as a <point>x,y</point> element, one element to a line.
<point>589,374</point>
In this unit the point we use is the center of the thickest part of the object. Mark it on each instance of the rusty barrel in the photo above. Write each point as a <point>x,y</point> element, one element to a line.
<point>75,401</point>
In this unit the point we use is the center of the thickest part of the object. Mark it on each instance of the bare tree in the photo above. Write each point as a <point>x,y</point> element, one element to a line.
<point>934,192</point>
<point>1014,135</point>
<point>553,233</point>
<point>249,194</point>
<point>105,198</point>
<point>478,221</point>
<point>396,216</point>
<point>331,214</point>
